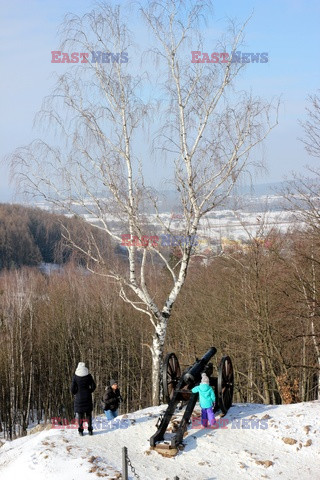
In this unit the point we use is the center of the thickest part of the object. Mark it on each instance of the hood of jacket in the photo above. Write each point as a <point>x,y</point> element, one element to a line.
<point>204,388</point>
<point>206,395</point>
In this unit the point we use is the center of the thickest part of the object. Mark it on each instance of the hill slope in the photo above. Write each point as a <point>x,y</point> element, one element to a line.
<point>284,442</point>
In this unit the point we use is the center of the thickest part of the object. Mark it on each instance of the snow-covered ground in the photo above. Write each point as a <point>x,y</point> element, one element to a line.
<point>228,224</point>
<point>258,442</point>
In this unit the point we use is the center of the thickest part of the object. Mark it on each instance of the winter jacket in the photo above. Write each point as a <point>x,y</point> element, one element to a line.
<point>82,387</point>
<point>206,395</point>
<point>112,399</point>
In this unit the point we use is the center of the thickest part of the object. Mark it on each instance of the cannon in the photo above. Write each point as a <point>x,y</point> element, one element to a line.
<point>177,388</point>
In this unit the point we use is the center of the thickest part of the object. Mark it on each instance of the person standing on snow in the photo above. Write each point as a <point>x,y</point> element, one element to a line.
<point>207,399</point>
<point>112,398</point>
<point>82,387</point>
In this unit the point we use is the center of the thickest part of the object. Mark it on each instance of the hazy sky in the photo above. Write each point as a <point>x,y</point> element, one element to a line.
<point>287,29</point>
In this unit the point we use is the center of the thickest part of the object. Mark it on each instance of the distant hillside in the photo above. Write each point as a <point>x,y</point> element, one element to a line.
<point>262,189</point>
<point>30,236</point>
<point>168,200</point>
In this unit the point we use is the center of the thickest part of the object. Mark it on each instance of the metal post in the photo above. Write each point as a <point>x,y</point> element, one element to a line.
<point>124,463</point>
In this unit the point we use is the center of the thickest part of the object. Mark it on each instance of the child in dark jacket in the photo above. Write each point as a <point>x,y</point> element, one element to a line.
<point>112,398</point>
<point>207,399</point>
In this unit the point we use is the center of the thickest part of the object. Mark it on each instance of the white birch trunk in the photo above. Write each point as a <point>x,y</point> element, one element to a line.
<point>158,340</point>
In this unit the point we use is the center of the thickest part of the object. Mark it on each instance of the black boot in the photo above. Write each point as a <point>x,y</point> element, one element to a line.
<point>80,432</point>
<point>90,431</point>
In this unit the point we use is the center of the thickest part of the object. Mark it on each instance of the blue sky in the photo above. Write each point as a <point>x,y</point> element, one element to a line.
<point>288,30</point>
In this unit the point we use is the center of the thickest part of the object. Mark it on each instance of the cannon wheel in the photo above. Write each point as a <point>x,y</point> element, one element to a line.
<point>170,376</point>
<point>225,384</point>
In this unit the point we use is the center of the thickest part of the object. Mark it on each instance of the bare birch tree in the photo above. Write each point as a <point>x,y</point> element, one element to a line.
<point>206,131</point>
<point>303,192</point>
<point>302,195</point>
<point>311,126</point>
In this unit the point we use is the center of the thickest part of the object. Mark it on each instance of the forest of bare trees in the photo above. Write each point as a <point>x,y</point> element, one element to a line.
<point>31,236</point>
<point>258,303</point>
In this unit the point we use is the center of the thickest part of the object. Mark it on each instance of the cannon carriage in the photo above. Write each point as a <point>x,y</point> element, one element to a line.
<point>177,388</point>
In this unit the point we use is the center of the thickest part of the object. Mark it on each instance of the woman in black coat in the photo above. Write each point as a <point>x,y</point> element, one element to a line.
<point>82,387</point>
<point>112,398</point>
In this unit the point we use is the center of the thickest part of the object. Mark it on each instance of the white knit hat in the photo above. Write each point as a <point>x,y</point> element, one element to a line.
<point>82,370</point>
<point>204,378</point>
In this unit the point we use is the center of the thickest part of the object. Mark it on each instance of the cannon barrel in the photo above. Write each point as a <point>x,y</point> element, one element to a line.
<point>193,375</point>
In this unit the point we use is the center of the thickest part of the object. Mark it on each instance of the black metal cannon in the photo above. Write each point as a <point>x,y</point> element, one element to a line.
<point>177,388</point>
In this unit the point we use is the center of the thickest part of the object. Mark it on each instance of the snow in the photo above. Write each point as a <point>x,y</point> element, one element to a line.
<point>222,222</point>
<point>289,448</point>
